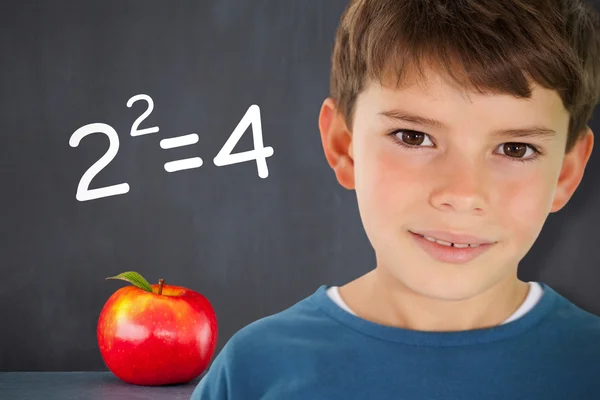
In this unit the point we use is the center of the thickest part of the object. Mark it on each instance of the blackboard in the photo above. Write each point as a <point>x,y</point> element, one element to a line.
<point>252,244</point>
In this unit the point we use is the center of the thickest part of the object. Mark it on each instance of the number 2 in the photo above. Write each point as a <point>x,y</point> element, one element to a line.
<point>138,121</point>
<point>84,193</point>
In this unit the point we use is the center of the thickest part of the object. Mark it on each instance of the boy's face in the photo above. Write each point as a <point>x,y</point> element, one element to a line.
<point>460,178</point>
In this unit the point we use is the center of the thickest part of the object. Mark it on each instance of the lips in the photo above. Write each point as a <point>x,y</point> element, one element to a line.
<point>452,237</point>
<point>450,254</point>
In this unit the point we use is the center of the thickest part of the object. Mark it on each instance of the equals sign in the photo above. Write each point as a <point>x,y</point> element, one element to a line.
<point>180,141</point>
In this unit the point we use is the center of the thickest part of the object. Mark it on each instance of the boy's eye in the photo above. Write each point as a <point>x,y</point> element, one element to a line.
<point>414,140</point>
<point>518,150</point>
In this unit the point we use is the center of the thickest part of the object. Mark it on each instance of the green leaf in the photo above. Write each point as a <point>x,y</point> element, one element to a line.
<point>134,278</point>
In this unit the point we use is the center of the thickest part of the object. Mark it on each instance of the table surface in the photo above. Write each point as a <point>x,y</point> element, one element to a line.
<point>84,386</point>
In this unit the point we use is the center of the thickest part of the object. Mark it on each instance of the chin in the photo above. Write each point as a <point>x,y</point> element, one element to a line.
<point>440,286</point>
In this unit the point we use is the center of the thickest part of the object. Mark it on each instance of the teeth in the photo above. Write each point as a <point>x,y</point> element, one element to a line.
<point>460,246</point>
<point>457,245</point>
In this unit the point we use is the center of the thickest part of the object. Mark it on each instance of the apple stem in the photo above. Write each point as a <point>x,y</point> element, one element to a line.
<point>161,281</point>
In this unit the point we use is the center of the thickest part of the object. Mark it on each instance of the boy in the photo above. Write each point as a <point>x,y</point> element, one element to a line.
<point>460,124</point>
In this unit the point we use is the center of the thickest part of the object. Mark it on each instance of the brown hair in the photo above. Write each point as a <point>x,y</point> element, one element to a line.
<point>488,46</point>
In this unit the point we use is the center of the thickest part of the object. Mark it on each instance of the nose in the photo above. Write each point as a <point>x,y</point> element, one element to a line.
<point>460,185</point>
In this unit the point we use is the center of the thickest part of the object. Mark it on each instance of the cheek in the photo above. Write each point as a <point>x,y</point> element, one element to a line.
<point>385,182</point>
<point>522,205</point>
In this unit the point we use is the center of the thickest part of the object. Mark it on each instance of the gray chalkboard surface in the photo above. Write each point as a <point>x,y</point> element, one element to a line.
<point>88,385</point>
<point>253,236</point>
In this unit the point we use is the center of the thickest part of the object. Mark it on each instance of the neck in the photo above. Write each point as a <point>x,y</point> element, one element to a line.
<point>381,298</point>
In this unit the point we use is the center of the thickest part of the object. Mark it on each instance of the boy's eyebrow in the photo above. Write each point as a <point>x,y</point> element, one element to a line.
<point>534,131</point>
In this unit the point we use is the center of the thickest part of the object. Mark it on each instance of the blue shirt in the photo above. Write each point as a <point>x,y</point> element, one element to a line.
<point>315,350</point>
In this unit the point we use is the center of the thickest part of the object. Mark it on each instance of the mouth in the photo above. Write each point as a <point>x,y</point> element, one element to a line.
<point>453,240</point>
<point>450,252</point>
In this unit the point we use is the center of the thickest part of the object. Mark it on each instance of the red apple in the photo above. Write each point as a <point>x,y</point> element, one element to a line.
<point>156,334</point>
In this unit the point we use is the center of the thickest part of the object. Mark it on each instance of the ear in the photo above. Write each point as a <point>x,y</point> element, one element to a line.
<point>337,143</point>
<point>572,170</point>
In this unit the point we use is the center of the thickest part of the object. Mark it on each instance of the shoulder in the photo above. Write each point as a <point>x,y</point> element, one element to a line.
<point>575,323</point>
<point>568,311</point>
<point>264,351</point>
<point>302,319</point>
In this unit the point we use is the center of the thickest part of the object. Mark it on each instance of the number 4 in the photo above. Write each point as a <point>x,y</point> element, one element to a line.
<point>260,153</point>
